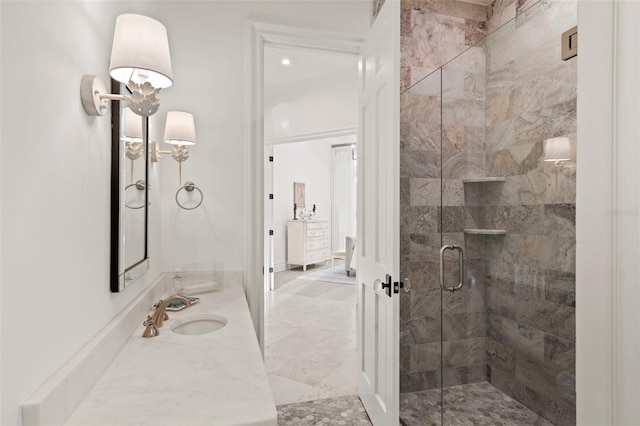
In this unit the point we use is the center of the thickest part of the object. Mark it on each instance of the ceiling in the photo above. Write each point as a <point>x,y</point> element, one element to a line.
<point>305,65</point>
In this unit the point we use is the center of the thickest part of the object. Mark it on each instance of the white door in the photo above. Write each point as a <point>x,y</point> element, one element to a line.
<point>378,239</point>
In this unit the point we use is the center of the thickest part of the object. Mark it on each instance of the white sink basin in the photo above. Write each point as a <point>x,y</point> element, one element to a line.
<point>199,324</point>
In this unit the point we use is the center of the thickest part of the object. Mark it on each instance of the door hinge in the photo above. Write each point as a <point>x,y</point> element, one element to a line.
<point>271,158</point>
<point>270,231</point>
<point>271,196</point>
<point>271,269</point>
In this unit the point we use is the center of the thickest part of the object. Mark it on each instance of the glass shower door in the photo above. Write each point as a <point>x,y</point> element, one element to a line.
<point>508,331</point>
<point>421,200</point>
<point>464,231</point>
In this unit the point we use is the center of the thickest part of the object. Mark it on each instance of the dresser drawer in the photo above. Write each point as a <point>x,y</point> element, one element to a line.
<point>318,243</point>
<point>308,242</point>
<point>317,232</point>
<point>317,225</point>
<point>317,255</point>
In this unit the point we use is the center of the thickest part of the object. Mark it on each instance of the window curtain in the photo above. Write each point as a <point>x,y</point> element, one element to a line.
<point>344,195</point>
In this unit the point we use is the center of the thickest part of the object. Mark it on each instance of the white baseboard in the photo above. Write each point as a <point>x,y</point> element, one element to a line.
<point>279,267</point>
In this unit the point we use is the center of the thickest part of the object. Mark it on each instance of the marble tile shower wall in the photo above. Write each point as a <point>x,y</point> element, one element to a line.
<point>432,33</point>
<point>530,296</point>
<point>514,321</point>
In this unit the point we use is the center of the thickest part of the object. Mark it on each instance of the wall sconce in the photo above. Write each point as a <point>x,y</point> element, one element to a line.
<point>140,59</point>
<point>180,128</point>
<point>557,150</point>
<point>179,132</point>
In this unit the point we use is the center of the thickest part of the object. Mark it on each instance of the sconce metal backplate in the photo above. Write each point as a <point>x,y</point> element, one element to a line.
<point>91,89</point>
<point>570,43</point>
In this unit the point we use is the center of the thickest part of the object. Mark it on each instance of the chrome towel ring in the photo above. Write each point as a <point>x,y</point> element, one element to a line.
<point>140,186</point>
<point>189,187</point>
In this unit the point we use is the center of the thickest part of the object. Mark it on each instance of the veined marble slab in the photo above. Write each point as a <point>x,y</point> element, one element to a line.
<point>217,378</point>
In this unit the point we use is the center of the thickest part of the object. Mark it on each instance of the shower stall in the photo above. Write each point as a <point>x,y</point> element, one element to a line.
<point>488,230</point>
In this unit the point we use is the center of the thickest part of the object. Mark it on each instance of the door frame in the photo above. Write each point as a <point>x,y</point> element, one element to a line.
<point>607,212</point>
<point>269,172</point>
<point>263,33</point>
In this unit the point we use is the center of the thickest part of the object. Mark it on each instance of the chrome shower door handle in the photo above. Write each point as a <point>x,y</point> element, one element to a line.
<point>460,269</point>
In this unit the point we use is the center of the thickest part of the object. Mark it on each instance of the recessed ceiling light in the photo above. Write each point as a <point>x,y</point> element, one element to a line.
<point>286,62</point>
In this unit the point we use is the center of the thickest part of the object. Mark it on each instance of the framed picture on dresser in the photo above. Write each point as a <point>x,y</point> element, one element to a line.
<point>298,194</point>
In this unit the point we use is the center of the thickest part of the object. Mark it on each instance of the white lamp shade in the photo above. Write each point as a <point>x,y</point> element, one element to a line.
<point>180,128</point>
<point>140,52</point>
<point>557,149</point>
<point>132,126</point>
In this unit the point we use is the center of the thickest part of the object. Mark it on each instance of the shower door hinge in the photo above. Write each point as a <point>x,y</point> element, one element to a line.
<point>271,270</point>
<point>405,285</point>
<point>271,196</point>
<point>270,231</point>
<point>271,158</point>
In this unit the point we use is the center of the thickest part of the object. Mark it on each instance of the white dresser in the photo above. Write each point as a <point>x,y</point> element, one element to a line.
<point>307,242</point>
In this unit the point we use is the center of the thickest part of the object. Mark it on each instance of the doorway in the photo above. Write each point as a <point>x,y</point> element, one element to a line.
<point>310,110</point>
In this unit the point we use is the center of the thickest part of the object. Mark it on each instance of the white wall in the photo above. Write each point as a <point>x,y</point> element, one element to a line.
<point>312,106</point>
<point>308,162</point>
<point>1,230</point>
<point>210,68</point>
<point>55,248</point>
<point>608,215</point>
<point>55,176</point>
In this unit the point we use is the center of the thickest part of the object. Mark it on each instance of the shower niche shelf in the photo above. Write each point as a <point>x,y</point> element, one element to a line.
<point>484,180</point>
<point>485,231</point>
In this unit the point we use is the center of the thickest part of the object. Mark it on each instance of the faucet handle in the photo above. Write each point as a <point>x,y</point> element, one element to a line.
<point>150,330</point>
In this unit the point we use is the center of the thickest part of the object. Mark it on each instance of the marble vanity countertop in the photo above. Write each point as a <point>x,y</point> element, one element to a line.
<point>172,379</point>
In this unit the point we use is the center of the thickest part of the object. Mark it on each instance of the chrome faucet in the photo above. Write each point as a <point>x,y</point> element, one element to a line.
<point>152,323</point>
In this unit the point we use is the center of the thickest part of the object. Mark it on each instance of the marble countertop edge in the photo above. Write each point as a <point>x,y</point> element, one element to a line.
<point>217,378</point>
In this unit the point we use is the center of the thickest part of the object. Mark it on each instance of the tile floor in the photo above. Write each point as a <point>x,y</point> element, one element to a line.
<point>473,404</point>
<point>344,410</point>
<point>310,355</point>
<point>310,338</point>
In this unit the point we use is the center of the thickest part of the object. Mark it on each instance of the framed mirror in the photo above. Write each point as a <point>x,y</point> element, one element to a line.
<point>129,193</point>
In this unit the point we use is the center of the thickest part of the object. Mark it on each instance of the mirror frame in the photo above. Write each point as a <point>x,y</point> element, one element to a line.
<point>120,275</point>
